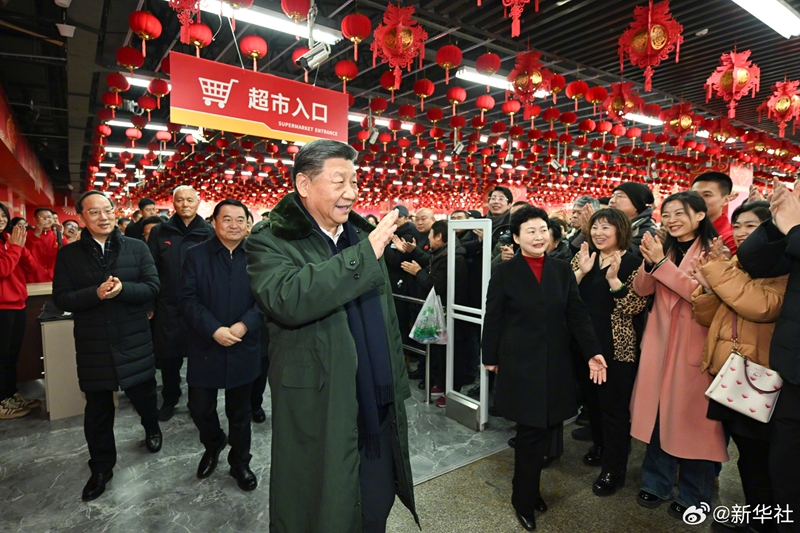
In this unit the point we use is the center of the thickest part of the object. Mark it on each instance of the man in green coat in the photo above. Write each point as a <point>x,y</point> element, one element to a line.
<point>337,371</point>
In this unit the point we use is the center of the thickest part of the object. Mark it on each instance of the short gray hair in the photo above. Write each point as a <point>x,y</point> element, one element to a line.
<point>181,188</point>
<point>310,159</point>
<point>584,200</point>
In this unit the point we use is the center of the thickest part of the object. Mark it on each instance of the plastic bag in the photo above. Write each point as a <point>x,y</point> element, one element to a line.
<point>430,326</point>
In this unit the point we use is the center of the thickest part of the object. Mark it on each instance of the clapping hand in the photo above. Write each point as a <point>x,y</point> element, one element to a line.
<point>614,263</point>
<point>718,251</point>
<point>585,259</point>
<point>18,236</point>
<point>584,217</point>
<point>597,369</point>
<point>109,288</point>
<point>785,207</point>
<point>479,233</point>
<point>755,195</point>
<point>412,267</point>
<point>652,249</point>
<point>697,271</point>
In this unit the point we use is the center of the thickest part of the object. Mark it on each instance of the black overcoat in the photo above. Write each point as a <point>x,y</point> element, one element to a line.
<point>113,343</point>
<point>527,331</point>
<point>215,292</point>
<point>169,242</point>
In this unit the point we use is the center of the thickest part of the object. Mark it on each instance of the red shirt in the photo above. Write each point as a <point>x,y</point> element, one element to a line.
<point>725,231</point>
<point>44,250</point>
<point>536,264</point>
<point>15,263</point>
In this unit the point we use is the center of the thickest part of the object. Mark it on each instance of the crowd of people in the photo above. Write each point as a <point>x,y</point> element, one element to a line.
<point>607,313</point>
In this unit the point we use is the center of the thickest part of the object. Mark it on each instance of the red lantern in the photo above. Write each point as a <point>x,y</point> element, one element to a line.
<point>456,95</point>
<point>733,79</point>
<point>148,103</point>
<point>399,39</point>
<point>784,104</point>
<point>139,121</point>
<point>146,26</point>
<point>200,36</point>
<point>529,76</point>
<point>158,88</point>
<point>434,115</point>
<point>356,27</point>
<point>406,112</point>
<point>511,108</point>
<point>112,100</point>
<point>103,130</point>
<point>133,134</point>
<point>423,88</point>
<point>487,64</point>
<point>297,10</point>
<point>649,40</point>
<point>622,100</point>
<point>551,115</point>
<point>253,47</point>
<point>484,102</point>
<point>117,82</point>
<point>557,85</point>
<point>576,90</point>
<point>595,96</point>
<point>165,65</point>
<point>345,70</point>
<point>449,56</point>
<point>186,10</point>
<point>130,58</point>
<point>378,105</point>
<point>387,82</point>
<point>236,4</point>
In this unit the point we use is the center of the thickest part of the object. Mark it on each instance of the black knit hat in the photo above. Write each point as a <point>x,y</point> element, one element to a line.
<point>639,194</point>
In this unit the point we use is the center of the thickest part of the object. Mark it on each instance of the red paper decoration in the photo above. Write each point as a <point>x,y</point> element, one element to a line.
<point>447,57</point>
<point>253,47</point>
<point>528,76</point>
<point>297,10</point>
<point>407,112</point>
<point>733,79</point>
<point>146,26</point>
<point>112,100</point>
<point>345,70</point>
<point>517,6</point>
<point>622,100</point>
<point>784,105</point>
<point>511,108</point>
<point>423,88</point>
<point>651,37</point>
<point>398,52</point>
<point>356,27</point>
<point>679,120</point>
<point>186,10</point>
<point>557,85</point>
<point>236,4</point>
<point>387,82</point>
<point>378,105</point>
<point>148,103</point>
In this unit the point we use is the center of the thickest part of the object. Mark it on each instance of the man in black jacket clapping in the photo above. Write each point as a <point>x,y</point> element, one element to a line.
<point>108,282</point>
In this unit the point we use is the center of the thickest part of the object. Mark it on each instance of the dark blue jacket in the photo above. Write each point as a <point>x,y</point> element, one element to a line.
<point>215,292</point>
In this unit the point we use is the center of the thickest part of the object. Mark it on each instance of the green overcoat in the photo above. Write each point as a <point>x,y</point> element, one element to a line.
<point>303,288</point>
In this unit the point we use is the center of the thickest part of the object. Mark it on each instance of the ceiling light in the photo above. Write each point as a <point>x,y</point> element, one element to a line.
<point>272,21</point>
<point>142,81</point>
<point>140,151</point>
<point>643,119</point>
<point>774,13</point>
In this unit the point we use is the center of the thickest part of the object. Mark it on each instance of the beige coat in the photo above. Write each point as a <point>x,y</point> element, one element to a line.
<point>757,302</point>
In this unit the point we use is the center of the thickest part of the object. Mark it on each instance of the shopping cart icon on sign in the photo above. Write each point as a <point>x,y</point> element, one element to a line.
<point>216,91</point>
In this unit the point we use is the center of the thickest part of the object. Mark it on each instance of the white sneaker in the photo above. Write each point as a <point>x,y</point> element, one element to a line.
<point>9,409</point>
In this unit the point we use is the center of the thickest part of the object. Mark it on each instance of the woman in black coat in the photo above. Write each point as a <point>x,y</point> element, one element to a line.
<point>532,310</point>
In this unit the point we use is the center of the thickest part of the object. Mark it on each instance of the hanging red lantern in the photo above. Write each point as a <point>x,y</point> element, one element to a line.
<point>735,77</point>
<point>345,70</point>
<point>133,135</point>
<point>784,105</point>
<point>649,40</point>
<point>423,88</point>
<point>378,105</point>
<point>551,115</point>
<point>254,47</point>
<point>139,121</point>
<point>456,95</point>
<point>449,56</point>
<point>235,5</point>
<point>186,9</point>
<point>398,40</point>
<point>297,10</point>
<point>130,58</point>
<point>395,125</point>
<point>407,112</point>
<point>117,82</point>
<point>112,100</point>
<point>387,82</point>
<point>622,100</point>
<point>148,103</point>
<point>576,90</point>
<point>567,119</point>
<point>146,26</point>
<point>105,115</point>
<point>595,96</point>
<point>679,120</point>
<point>651,110</point>
<point>488,64</point>
<point>158,88</point>
<point>356,27</point>
<point>103,130</point>
<point>435,115</point>
<point>557,84</point>
<point>165,65</point>
<point>484,102</point>
<point>529,76</point>
<point>200,36</point>
<point>511,108</point>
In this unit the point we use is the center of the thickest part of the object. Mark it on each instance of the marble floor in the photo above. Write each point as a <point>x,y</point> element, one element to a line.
<point>43,469</point>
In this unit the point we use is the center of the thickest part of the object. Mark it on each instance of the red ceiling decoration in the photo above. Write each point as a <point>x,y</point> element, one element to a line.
<point>399,39</point>
<point>784,105</point>
<point>733,79</point>
<point>622,100</point>
<point>529,76</point>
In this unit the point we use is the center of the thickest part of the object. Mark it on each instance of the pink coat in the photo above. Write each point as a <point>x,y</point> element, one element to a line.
<point>669,382</point>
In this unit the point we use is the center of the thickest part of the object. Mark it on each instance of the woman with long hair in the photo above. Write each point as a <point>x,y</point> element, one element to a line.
<point>668,408</point>
<point>728,293</point>
<point>605,277</point>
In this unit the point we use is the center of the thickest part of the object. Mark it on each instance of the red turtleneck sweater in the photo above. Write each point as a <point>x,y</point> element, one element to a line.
<point>536,264</point>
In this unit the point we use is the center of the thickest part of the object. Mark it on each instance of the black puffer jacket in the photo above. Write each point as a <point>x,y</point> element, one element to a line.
<point>168,243</point>
<point>768,253</point>
<point>113,343</point>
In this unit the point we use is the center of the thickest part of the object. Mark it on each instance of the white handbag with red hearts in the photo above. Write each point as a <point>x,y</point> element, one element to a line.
<point>745,386</point>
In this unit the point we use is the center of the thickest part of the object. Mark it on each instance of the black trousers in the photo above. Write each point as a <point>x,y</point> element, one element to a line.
<point>587,396</point>
<point>260,385</point>
<point>12,331</point>
<point>98,421</point>
<point>376,478</point>
<point>528,460</point>
<point>171,379</point>
<point>614,433</point>
<point>203,407</point>
<point>753,467</point>
<point>784,460</point>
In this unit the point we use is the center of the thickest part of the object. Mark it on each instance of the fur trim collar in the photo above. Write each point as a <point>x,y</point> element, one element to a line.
<point>287,221</point>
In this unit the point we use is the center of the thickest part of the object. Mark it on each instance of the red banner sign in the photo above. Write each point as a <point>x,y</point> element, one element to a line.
<point>222,97</point>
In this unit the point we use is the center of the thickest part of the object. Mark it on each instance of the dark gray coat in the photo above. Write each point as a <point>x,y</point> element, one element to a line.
<point>113,343</point>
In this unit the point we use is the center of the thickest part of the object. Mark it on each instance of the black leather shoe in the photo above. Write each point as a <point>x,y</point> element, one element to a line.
<point>649,500</point>
<point>259,416</point>
<point>528,522</point>
<point>548,461</point>
<point>166,412</point>
<point>96,485</point>
<point>607,484</point>
<point>512,442</point>
<point>209,461</point>
<point>153,441</point>
<point>676,510</point>
<point>244,477</point>
<point>540,505</point>
<point>582,419</point>
<point>592,458</point>
<point>584,434</point>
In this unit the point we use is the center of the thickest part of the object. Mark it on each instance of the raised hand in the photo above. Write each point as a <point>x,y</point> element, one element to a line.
<point>584,217</point>
<point>412,267</point>
<point>786,211</point>
<point>755,195</point>
<point>614,262</point>
<point>697,271</point>
<point>18,236</point>
<point>585,259</point>
<point>652,249</point>
<point>717,250</point>
<point>382,234</point>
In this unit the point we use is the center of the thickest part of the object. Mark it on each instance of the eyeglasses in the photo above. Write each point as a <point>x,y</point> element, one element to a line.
<point>94,213</point>
<point>498,199</point>
<point>70,226</point>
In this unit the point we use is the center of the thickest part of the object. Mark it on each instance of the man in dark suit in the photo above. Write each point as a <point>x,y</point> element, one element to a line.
<point>147,208</point>
<point>109,282</point>
<point>225,347</point>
